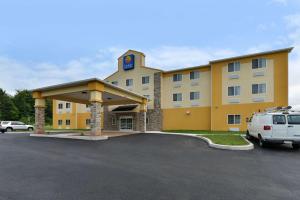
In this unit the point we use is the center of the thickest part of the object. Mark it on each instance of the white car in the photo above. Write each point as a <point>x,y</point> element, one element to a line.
<point>280,125</point>
<point>8,126</point>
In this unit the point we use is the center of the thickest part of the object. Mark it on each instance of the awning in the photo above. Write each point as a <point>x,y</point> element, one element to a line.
<point>124,108</point>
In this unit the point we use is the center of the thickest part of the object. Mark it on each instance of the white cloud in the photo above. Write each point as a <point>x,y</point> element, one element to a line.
<point>28,75</point>
<point>293,25</point>
<point>281,2</point>
<point>171,57</point>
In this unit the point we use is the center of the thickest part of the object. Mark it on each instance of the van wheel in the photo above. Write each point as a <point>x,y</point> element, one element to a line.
<point>296,146</point>
<point>9,129</point>
<point>248,136</point>
<point>30,129</point>
<point>261,142</point>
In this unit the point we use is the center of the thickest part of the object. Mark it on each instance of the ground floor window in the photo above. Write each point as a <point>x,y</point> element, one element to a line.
<point>234,119</point>
<point>68,122</point>
<point>59,122</point>
<point>147,120</point>
<point>87,122</point>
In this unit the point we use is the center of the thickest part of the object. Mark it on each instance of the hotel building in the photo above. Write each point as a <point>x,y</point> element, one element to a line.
<point>219,95</point>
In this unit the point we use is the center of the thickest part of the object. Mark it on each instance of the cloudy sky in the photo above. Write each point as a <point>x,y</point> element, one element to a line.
<point>55,41</point>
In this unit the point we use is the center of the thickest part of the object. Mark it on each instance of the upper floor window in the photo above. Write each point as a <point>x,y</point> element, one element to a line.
<point>114,82</point>
<point>177,77</point>
<point>234,119</point>
<point>129,82</point>
<point>145,79</point>
<point>233,66</point>
<point>194,75</point>
<point>68,105</point>
<point>60,106</point>
<point>259,63</point>
<point>234,90</point>
<point>194,95</point>
<point>60,122</point>
<point>177,97</point>
<point>259,88</point>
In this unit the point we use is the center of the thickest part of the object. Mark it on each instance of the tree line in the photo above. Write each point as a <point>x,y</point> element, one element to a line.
<point>20,107</point>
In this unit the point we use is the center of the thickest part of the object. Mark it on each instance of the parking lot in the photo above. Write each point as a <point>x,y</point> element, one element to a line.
<point>143,166</point>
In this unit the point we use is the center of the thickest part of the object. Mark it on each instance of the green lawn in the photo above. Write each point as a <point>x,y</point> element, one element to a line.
<point>204,132</point>
<point>227,139</point>
<point>218,137</point>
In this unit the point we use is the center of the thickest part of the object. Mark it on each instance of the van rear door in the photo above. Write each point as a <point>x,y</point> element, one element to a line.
<point>279,128</point>
<point>293,126</point>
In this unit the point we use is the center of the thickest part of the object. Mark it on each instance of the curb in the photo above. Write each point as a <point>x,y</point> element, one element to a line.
<point>250,146</point>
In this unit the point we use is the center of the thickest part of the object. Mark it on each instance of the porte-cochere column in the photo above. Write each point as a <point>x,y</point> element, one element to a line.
<point>96,102</point>
<point>39,106</point>
<point>142,117</point>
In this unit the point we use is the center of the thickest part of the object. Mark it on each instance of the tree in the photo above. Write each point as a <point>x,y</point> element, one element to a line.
<point>25,104</point>
<point>8,110</point>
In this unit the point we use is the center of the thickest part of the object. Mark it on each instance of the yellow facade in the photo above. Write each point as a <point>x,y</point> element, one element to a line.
<point>278,96</point>
<point>211,110</point>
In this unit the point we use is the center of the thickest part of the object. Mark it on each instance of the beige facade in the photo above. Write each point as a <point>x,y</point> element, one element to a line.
<point>195,98</point>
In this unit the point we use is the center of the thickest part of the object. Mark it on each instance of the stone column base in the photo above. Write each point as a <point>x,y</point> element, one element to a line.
<point>39,120</point>
<point>95,118</point>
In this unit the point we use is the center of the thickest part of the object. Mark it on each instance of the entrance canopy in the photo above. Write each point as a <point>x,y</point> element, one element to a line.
<point>82,91</point>
<point>94,92</point>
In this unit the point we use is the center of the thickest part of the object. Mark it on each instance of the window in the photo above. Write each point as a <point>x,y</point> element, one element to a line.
<point>194,75</point>
<point>145,79</point>
<point>259,63</point>
<point>87,122</point>
<point>59,122</point>
<point>234,90</point>
<point>87,106</point>
<point>234,119</point>
<point>194,95</point>
<point>293,119</point>
<point>177,77</point>
<point>279,119</point>
<point>258,88</point>
<point>177,97</point>
<point>60,106</point>
<point>129,82</point>
<point>68,122</point>
<point>147,120</point>
<point>233,66</point>
<point>114,82</point>
<point>68,105</point>
<point>113,121</point>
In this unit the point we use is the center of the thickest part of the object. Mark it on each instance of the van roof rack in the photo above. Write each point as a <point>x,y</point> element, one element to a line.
<point>279,109</point>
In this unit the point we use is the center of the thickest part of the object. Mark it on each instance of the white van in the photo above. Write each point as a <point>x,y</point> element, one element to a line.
<point>280,125</point>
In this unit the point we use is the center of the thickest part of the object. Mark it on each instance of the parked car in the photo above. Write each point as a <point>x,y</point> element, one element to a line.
<point>8,126</point>
<point>2,130</point>
<point>280,125</point>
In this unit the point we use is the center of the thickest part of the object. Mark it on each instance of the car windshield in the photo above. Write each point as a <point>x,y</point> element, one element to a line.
<point>293,119</point>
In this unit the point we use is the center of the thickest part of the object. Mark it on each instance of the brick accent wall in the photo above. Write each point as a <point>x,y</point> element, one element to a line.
<point>155,115</point>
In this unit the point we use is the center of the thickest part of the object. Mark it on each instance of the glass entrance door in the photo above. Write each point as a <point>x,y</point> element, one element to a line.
<point>126,124</point>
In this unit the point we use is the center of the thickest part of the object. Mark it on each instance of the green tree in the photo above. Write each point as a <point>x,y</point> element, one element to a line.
<point>25,104</point>
<point>8,110</point>
<point>48,112</point>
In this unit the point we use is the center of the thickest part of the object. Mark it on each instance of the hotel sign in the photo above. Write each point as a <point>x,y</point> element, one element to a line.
<point>128,62</point>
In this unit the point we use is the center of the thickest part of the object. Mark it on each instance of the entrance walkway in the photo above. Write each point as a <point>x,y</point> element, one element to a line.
<point>84,135</point>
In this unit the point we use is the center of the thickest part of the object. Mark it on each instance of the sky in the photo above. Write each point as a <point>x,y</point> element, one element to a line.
<point>55,41</point>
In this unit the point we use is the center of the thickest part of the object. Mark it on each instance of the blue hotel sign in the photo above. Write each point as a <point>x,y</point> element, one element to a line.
<point>128,62</point>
